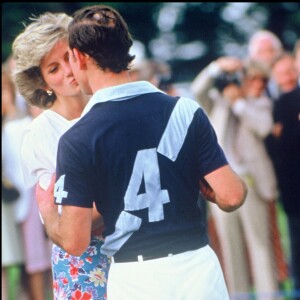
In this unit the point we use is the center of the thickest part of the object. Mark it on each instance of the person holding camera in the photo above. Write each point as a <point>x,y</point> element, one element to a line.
<point>232,93</point>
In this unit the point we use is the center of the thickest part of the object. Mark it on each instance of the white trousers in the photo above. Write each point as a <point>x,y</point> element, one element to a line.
<point>192,275</point>
<point>247,228</point>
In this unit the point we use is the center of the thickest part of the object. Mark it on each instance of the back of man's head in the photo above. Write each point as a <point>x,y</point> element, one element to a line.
<point>101,32</point>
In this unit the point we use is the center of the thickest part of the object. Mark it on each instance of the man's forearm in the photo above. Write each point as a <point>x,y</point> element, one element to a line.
<point>52,227</point>
<point>72,229</point>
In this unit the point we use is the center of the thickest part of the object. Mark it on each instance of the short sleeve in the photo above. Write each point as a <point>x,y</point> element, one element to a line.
<point>210,154</point>
<point>37,160</point>
<point>74,174</point>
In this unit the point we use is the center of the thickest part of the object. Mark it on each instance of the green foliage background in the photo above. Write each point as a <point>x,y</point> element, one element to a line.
<point>202,21</point>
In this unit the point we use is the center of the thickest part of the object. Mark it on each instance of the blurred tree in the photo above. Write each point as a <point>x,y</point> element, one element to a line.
<point>16,14</point>
<point>141,19</point>
<point>187,35</point>
<point>139,16</point>
<point>217,29</point>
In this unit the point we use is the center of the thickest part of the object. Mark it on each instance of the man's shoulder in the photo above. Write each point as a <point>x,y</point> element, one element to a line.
<point>79,130</point>
<point>290,99</point>
<point>290,95</point>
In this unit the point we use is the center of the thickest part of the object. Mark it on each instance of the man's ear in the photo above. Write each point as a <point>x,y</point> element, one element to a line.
<point>81,58</point>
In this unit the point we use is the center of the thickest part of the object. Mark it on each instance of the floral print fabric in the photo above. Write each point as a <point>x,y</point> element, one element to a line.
<point>80,277</point>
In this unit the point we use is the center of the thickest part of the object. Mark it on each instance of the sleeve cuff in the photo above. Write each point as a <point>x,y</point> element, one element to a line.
<point>214,70</point>
<point>239,107</point>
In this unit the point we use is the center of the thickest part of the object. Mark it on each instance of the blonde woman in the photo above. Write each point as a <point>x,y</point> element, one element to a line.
<point>44,78</point>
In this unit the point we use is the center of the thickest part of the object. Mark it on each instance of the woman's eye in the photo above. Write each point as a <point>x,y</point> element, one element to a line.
<point>52,70</point>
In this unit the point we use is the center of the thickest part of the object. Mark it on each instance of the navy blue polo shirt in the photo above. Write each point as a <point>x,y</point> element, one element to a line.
<point>138,154</point>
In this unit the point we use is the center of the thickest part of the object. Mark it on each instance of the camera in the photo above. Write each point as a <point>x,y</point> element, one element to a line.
<point>226,78</point>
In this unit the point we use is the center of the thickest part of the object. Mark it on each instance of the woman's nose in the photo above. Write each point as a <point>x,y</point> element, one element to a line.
<point>67,69</point>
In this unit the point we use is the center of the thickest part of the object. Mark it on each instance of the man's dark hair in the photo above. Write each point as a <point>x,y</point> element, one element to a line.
<point>101,32</point>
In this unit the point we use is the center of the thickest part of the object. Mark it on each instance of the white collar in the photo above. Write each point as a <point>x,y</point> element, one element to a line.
<point>120,92</point>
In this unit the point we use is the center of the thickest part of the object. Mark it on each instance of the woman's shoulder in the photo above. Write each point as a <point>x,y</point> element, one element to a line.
<point>39,122</point>
<point>48,122</point>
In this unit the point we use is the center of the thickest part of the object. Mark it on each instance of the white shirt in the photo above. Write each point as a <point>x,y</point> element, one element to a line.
<point>39,147</point>
<point>12,135</point>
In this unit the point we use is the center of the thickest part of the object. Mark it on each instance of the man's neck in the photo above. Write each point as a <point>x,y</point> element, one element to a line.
<point>108,79</point>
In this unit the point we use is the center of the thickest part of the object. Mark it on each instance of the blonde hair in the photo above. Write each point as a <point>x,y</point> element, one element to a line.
<point>29,48</point>
<point>254,68</point>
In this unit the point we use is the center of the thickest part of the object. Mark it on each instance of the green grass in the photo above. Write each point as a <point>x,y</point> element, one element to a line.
<point>13,281</point>
<point>286,286</point>
<point>14,272</point>
<point>283,228</point>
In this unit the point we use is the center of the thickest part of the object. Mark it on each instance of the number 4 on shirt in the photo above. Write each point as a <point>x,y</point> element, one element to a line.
<point>146,165</point>
<point>59,192</point>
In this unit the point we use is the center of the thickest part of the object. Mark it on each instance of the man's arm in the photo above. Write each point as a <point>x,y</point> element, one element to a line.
<point>68,230</point>
<point>225,188</point>
<point>97,222</point>
<point>97,219</point>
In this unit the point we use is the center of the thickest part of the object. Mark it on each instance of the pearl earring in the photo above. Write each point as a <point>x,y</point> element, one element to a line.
<point>49,92</point>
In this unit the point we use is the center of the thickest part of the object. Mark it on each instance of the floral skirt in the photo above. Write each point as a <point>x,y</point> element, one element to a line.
<point>80,277</point>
